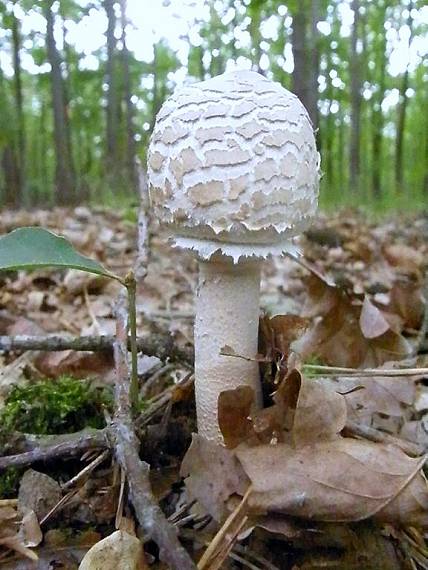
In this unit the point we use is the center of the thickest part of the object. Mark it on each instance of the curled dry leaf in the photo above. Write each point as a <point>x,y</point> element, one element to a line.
<point>320,413</point>
<point>212,475</point>
<point>372,321</point>
<point>348,332</point>
<point>19,534</point>
<point>309,470</point>
<point>119,551</point>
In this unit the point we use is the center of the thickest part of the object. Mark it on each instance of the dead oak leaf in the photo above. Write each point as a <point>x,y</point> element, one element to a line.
<point>212,475</point>
<point>343,480</point>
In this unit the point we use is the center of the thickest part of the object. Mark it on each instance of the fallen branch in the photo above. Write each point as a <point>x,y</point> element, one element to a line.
<point>377,436</point>
<point>127,445</point>
<point>58,446</point>
<point>157,344</point>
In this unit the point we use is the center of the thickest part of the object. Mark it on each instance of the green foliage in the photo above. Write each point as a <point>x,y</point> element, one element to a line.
<point>58,406</point>
<point>32,248</point>
<point>9,481</point>
<point>130,215</point>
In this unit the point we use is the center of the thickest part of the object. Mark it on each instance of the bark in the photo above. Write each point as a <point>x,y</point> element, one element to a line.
<point>354,158</point>
<point>306,55</point>
<point>254,11</point>
<point>160,345</point>
<point>401,117</point>
<point>137,472</point>
<point>16,43</point>
<point>131,155</point>
<point>64,170</point>
<point>377,125</point>
<point>299,42</point>
<point>112,109</point>
<point>314,66</point>
<point>157,97</point>
<point>11,177</point>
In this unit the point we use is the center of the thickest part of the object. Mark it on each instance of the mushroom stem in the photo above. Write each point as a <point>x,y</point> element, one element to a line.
<point>227,313</point>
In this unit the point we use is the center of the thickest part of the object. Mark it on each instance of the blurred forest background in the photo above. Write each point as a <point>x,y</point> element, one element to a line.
<point>81,82</point>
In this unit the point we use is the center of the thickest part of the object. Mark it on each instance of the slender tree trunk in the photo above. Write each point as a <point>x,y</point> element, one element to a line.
<point>254,11</point>
<point>354,159</point>
<point>299,43</point>
<point>112,92</point>
<point>377,124</point>
<point>314,66</point>
<point>131,155</point>
<point>401,117</point>
<point>156,98</point>
<point>340,153</point>
<point>64,171</point>
<point>16,41</point>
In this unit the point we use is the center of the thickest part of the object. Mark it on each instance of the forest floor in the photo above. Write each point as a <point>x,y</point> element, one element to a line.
<point>356,301</point>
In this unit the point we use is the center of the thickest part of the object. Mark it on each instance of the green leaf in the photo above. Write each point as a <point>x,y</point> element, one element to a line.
<point>33,248</point>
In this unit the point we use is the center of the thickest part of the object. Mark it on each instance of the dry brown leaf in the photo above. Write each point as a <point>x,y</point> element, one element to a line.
<point>407,302</point>
<point>406,259</point>
<point>342,480</point>
<point>234,409</point>
<point>320,413</point>
<point>337,337</point>
<point>212,475</point>
<point>372,321</point>
<point>119,551</point>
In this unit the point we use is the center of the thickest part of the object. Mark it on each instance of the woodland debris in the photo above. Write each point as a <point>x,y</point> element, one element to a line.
<point>118,551</point>
<point>159,345</point>
<point>127,445</point>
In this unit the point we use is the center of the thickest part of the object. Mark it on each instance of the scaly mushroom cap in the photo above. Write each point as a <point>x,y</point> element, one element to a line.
<point>233,166</point>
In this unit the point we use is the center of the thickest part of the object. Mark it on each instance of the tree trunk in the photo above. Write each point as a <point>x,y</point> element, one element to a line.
<point>299,43</point>
<point>354,159</point>
<point>314,66</point>
<point>254,12</point>
<point>64,171</point>
<point>131,154</point>
<point>157,98</point>
<point>401,117</point>
<point>16,41</point>
<point>112,91</point>
<point>378,122</point>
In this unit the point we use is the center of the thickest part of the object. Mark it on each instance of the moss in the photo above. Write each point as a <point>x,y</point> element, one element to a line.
<point>56,406</point>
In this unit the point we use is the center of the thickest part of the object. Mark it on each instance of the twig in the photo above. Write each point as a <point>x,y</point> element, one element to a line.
<point>373,434</point>
<point>222,544</point>
<point>143,239</point>
<point>131,287</point>
<point>148,512</point>
<point>311,268</point>
<point>360,372</point>
<point>160,345</point>
<point>86,470</point>
<point>70,445</point>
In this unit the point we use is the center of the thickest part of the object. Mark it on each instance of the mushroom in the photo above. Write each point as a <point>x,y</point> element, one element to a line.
<point>233,171</point>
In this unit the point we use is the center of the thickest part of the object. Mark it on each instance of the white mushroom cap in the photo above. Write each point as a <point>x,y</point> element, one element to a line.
<point>233,166</point>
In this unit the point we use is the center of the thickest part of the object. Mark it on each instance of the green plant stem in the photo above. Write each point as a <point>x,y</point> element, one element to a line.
<point>131,287</point>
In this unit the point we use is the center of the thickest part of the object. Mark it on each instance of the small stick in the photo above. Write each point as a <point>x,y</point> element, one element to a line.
<point>335,370</point>
<point>373,434</point>
<point>157,344</point>
<point>127,445</point>
<point>86,470</point>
